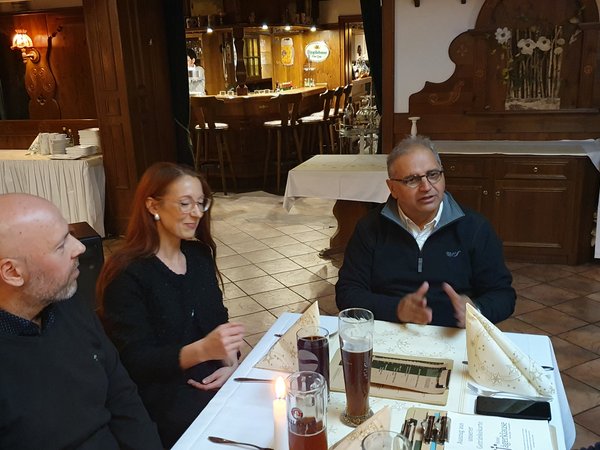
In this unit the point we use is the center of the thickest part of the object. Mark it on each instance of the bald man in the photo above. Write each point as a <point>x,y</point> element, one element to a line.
<point>61,382</point>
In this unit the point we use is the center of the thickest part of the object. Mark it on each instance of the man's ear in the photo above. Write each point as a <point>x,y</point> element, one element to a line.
<point>11,272</point>
<point>390,185</point>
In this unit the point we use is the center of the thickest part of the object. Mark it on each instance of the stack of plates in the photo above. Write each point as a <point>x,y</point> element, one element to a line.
<point>82,150</point>
<point>90,136</point>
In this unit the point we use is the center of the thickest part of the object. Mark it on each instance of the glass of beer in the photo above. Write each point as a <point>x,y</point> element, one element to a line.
<point>313,351</point>
<point>384,440</point>
<point>356,344</point>
<point>307,411</point>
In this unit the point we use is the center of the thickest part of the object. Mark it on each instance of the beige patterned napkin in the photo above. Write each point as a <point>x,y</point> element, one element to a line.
<point>283,356</point>
<point>497,363</point>
<point>379,421</point>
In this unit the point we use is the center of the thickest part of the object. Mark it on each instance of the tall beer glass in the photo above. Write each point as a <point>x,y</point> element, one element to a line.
<point>356,344</point>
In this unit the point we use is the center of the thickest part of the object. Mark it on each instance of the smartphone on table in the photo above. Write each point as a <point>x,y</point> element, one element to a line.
<point>513,408</point>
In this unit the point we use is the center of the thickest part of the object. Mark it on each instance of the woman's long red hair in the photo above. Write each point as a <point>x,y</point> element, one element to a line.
<point>141,239</point>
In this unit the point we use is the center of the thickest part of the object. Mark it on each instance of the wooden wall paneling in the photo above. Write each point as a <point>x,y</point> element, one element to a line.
<point>70,63</point>
<point>19,134</point>
<point>327,71</point>
<point>588,66</point>
<point>388,138</point>
<point>291,73</point>
<point>212,59</point>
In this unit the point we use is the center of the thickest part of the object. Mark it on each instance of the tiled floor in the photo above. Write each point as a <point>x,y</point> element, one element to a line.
<point>270,264</point>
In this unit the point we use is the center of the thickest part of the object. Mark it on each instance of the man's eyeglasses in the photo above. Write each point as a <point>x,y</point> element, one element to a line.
<point>413,181</point>
<point>187,206</point>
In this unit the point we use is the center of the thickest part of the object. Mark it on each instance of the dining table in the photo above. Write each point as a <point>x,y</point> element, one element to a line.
<point>244,411</point>
<point>75,186</point>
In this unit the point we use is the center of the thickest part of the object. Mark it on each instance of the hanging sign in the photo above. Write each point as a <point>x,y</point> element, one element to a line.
<point>287,51</point>
<point>317,51</point>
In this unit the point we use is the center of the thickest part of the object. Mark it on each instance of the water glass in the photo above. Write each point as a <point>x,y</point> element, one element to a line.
<point>356,327</point>
<point>385,440</point>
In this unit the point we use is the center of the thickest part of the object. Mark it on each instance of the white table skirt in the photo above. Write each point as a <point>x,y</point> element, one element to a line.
<point>243,411</point>
<point>76,187</point>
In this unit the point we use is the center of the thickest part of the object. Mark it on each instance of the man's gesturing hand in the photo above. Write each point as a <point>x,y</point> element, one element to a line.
<point>413,307</point>
<point>459,302</point>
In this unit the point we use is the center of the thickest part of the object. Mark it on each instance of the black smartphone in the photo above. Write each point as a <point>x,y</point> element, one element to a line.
<point>514,408</point>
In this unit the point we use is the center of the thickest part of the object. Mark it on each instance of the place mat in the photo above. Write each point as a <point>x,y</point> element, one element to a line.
<point>379,421</point>
<point>411,378</point>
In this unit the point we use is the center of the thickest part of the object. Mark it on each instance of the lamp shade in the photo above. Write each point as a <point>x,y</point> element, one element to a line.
<point>21,40</point>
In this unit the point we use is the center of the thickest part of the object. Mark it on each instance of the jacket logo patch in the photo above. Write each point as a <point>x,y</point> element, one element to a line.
<point>453,254</point>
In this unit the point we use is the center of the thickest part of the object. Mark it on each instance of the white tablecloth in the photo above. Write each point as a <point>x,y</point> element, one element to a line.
<point>76,187</point>
<point>243,411</point>
<point>338,177</point>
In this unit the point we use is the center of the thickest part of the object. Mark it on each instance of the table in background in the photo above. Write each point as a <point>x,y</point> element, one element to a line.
<point>243,411</point>
<point>353,181</point>
<point>75,186</point>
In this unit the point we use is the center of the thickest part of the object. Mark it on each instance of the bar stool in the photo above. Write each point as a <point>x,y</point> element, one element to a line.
<point>208,132</point>
<point>319,121</point>
<point>286,130</point>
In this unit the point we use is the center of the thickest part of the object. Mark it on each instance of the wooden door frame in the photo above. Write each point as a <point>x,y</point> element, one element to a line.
<point>388,26</point>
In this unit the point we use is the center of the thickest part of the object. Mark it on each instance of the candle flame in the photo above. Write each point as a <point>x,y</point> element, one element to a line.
<point>279,387</point>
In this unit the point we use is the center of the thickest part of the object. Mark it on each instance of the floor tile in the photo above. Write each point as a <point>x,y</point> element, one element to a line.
<point>551,321</point>
<point>595,296</point>
<point>241,306</point>
<point>578,284</point>
<point>570,355</point>
<point>587,337</point>
<point>257,322</point>
<point>293,229</point>
<point>262,256</point>
<point>521,281</point>
<point>547,295</point>
<point>589,419</point>
<point>543,272</point>
<point>310,236</point>
<point>244,350</point>
<point>327,270</point>
<point>227,262</point>
<point>320,245</point>
<point>524,305</point>
<point>233,238</point>
<point>279,241</point>
<point>315,289</point>
<point>277,298</point>
<point>251,245</point>
<point>254,338</point>
<point>278,265</point>
<point>327,305</point>
<point>583,308</point>
<point>224,250</point>
<point>584,437</point>
<point>295,250</point>
<point>308,260</point>
<point>593,272</point>
<point>296,277</point>
<point>581,397</point>
<point>588,373</point>
<point>514,265</point>
<point>514,325</point>
<point>243,272</point>
<point>260,284</point>
<point>299,307</point>
<point>267,233</point>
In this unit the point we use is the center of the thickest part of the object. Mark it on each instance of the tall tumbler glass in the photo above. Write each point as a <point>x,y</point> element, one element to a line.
<point>307,411</point>
<point>313,351</point>
<point>356,343</point>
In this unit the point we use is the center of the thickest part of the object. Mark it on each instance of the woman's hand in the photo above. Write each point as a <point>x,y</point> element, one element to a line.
<point>221,342</point>
<point>216,379</point>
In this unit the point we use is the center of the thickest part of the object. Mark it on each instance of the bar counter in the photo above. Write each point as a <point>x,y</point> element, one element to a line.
<point>247,141</point>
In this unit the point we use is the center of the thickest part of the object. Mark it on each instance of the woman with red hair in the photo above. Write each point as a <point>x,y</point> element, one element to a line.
<point>161,301</point>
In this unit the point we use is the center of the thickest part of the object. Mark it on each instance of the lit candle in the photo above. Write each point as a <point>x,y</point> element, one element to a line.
<point>280,416</point>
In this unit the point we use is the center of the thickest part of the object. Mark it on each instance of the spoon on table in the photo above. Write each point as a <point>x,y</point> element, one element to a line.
<point>252,380</point>
<point>220,440</point>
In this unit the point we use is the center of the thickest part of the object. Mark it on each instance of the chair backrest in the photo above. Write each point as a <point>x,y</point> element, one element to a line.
<point>289,108</point>
<point>338,92</point>
<point>327,98</point>
<point>204,111</point>
<point>347,95</point>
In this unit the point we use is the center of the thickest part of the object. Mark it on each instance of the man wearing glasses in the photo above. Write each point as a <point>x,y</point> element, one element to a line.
<point>421,257</point>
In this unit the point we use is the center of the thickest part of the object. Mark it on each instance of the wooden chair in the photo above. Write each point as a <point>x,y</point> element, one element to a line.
<point>286,132</point>
<point>208,132</point>
<point>318,122</point>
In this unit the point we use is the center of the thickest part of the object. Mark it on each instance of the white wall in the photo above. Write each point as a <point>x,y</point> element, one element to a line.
<point>330,10</point>
<point>422,38</point>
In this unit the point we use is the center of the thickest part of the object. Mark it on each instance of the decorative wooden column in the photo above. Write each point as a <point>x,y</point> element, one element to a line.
<point>240,66</point>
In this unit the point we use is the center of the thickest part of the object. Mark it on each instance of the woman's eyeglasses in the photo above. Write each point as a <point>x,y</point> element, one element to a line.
<point>412,181</point>
<point>187,206</point>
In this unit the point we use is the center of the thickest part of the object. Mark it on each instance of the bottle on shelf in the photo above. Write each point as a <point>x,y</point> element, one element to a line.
<point>348,118</point>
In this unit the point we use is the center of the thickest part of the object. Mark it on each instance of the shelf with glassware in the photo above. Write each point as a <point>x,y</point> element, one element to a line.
<point>359,132</point>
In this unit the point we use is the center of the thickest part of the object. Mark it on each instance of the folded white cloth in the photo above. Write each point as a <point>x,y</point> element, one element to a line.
<point>283,356</point>
<point>497,363</point>
<point>353,441</point>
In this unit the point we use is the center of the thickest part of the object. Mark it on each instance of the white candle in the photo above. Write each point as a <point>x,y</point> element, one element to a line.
<point>280,416</point>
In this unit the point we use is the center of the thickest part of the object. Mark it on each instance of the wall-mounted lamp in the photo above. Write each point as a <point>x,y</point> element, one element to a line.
<point>265,26</point>
<point>21,41</point>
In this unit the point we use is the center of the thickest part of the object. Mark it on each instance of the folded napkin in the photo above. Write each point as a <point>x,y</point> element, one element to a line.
<point>379,421</point>
<point>283,356</point>
<point>35,146</point>
<point>497,363</point>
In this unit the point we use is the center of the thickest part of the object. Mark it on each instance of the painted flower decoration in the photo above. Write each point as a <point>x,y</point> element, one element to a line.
<point>527,46</point>
<point>503,35</point>
<point>543,43</point>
